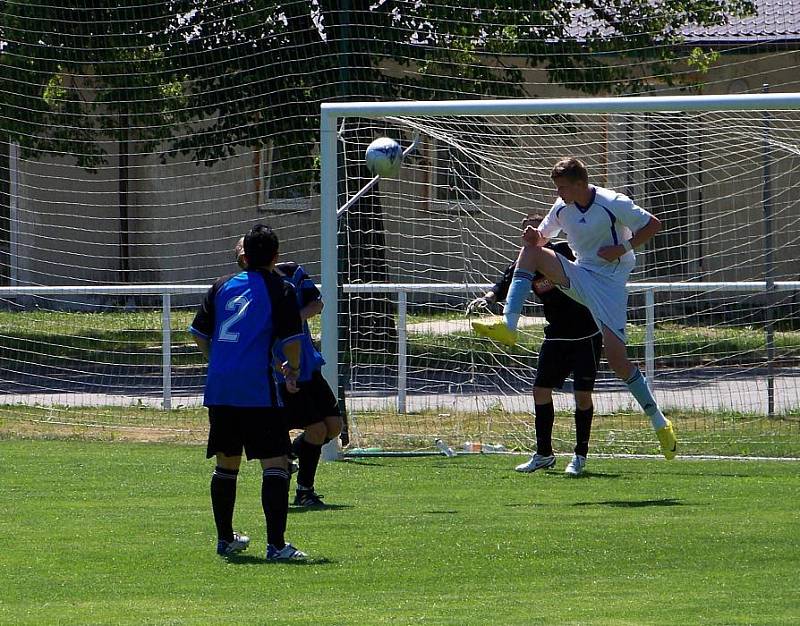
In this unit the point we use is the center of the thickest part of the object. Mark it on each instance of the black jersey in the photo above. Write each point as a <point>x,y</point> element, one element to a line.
<point>566,318</point>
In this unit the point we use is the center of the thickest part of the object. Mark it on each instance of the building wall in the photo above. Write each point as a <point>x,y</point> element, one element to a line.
<point>185,218</point>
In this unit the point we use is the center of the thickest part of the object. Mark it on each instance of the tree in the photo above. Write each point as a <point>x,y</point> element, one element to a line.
<point>206,78</point>
<point>76,75</point>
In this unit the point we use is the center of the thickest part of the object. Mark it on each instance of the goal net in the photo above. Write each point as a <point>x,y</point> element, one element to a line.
<point>713,302</point>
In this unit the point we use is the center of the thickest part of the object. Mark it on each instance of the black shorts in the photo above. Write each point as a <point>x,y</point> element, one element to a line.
<point>262,432</point>
<point>558,359</point>
<point>312,403</point>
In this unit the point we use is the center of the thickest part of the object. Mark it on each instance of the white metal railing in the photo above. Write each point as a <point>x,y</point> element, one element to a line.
<point>649,289</point>
<point>166,291</point>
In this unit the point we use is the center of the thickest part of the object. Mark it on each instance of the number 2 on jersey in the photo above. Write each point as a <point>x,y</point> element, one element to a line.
<point>238,304</point>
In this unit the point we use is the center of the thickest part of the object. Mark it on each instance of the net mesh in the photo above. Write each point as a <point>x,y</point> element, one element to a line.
<point>718,182</point>
<point>139,140</point>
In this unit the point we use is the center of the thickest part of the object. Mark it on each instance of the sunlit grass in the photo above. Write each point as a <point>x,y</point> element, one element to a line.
<point>114,533</point>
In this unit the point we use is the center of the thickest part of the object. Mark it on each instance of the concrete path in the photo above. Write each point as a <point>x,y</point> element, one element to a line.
<point>746,395</point>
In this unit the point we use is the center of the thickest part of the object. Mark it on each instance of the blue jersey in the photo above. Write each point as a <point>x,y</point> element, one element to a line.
<point>306,292</point>
<point>243,315</point>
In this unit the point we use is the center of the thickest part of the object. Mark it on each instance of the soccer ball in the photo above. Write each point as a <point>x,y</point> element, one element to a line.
<point>383,157</point>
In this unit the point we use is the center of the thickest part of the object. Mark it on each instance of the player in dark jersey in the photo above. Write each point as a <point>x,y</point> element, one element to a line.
<point>572,345</point>
<point>314,409</point>
<point>241,318</point>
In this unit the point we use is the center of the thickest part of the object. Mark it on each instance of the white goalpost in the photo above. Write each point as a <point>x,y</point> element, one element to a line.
<point>711,302</point>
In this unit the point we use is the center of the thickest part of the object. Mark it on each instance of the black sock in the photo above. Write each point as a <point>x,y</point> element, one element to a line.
<point>223,499</point>
<point>583,429</point>
<point>545,416</point>
<point>308,456</point>
<point>275,502</point>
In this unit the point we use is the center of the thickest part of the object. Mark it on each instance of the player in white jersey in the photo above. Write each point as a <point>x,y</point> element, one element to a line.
<point>602,228</point>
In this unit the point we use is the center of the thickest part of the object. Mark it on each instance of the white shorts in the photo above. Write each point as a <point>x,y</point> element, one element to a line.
<point>606,297</point>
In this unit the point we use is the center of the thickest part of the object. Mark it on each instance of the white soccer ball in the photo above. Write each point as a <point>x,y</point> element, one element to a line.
<point>383,157</point>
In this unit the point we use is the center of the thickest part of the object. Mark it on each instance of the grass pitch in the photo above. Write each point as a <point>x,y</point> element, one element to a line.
<point>120,533</point>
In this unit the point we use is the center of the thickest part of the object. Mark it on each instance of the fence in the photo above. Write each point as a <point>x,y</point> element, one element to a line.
<point>165,293</point>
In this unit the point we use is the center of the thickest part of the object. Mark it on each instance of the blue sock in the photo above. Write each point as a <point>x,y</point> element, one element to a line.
<point>637,385</point>
<point>517,294</point>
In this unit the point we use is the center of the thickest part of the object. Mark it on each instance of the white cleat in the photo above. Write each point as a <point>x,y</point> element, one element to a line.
<point>536,462</point>
<point>286,553</point>
<point>239,544</point>
<point>576,465</point>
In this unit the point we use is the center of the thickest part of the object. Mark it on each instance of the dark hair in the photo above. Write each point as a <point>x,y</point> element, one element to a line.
<point>570,168</point>
<point>535,216</point>
<point>260,246</point>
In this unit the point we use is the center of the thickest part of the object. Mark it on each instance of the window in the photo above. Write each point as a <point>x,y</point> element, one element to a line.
<point>456,179</point>
<point>286,178</point>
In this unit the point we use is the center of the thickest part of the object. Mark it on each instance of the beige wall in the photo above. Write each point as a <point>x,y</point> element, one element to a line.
<point>184,220</point>
<point>66,233</point>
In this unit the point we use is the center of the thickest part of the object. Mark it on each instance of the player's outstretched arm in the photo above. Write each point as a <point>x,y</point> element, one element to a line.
<point>481,303</point>
<point>640,237</point>
<point>496,294</point>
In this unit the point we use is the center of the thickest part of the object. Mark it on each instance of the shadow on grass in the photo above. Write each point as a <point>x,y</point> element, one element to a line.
<point>704,473</point>
<point>559,473</point>
<point>248,559</point>
<point>314,509</point>
<point>633,503</point>
<point>309,561</point>
<point>588,474</point>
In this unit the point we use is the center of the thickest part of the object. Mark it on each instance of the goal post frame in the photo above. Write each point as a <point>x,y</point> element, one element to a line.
<point>329,120</point>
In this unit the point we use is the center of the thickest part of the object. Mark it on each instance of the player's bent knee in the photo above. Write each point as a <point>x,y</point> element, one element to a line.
<point>333,423</point>
<point>316,433</point>
<point>583,400</point>
<point>528,256</point>
<point>228,462</point>
<point>542,395</point>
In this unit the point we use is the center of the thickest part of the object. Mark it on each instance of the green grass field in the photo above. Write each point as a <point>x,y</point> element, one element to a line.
<point>120,533</point>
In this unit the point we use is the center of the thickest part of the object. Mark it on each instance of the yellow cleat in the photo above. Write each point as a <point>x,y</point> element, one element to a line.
<point>497,331</point>
<point>668,441</point>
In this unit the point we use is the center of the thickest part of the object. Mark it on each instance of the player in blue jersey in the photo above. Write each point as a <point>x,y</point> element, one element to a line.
<point>572,345</point>
<point>242,317</point>
<point>602,228</point>
<point>314,409</point>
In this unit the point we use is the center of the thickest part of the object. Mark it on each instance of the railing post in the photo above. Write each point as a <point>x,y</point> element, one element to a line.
<point>650,336</point>
<point>769,263</point>
<point>166,349</point>
<point>13,213</point>
<point>402,363</point>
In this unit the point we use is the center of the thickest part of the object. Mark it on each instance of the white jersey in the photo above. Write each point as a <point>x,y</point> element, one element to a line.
<point>610,219</point>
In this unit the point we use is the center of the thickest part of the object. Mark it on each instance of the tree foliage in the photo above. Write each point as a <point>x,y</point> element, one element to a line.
<point>74,75</point>
<point>203,76</point>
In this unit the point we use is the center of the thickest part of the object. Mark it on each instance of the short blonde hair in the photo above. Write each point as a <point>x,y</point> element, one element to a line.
<point>570,168</point>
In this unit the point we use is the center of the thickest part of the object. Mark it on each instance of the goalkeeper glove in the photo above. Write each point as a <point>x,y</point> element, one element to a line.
<point>478,305</point>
